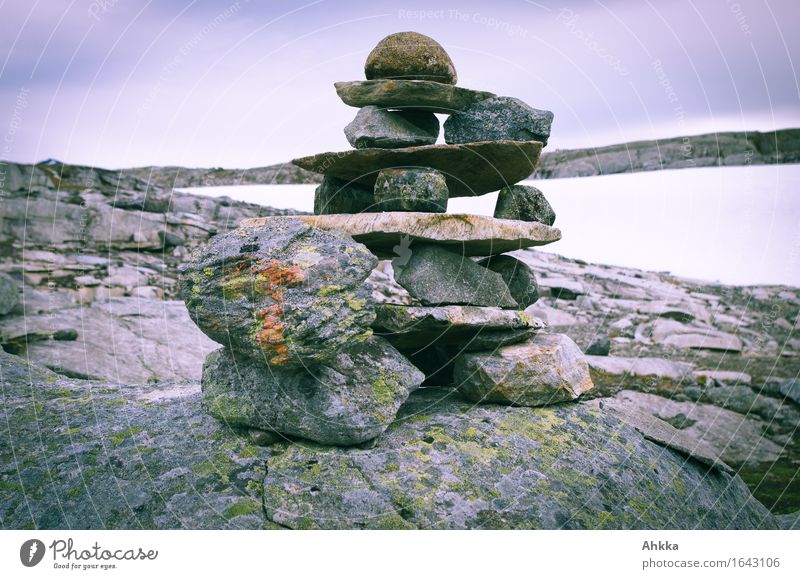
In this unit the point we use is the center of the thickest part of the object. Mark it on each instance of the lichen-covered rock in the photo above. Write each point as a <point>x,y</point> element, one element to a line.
<point>411,189</point>
<point>548,369</point>
<point>350,401</point>
<point>284,293</point>
<point>446,464</point>
<point>377,127</point>
<point>519,278</point>
<point>421,95</point>
<point>497,119</point>
<point>437,276</point>
<point>100,455</point>
<point>337,196</point>
<point>9,296</point>
<point>524,203</point>
<point>410,56</point>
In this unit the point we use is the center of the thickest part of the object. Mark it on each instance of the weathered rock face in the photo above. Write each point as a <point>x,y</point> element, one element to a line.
<point>9,295</point>
<point>519,278</point>
<point>678,335</point>
<point>350,401</point>
<point>496,119</point>
<point>410,56</point>
<point>337,196</point>
<point>387,233</point>
<point>411,189</point>
<point>285,294</point>
<point>451,465</point>
<point>376,127</point>
<point>421,95</point>
<point>470,169</point>
<point>611,374</point>
<point>548,369</point>
<point>524,203</point>
<point>437,276</point>
<point>468,327</point>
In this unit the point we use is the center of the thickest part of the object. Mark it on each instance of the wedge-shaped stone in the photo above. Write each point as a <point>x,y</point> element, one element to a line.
<point>465,326</point>
<point>470,168</point>
<point>424,95</point>
<point>394,234</point>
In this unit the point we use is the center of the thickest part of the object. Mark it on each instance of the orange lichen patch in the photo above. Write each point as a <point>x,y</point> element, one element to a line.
<point>270,279</point>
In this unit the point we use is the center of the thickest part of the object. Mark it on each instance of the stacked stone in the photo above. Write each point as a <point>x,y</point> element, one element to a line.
<point>307,352</point>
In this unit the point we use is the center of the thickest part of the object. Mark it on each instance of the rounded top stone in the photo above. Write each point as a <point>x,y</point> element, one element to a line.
<point>410,56</point>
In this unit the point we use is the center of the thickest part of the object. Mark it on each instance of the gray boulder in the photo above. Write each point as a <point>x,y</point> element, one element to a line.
<point>437,276</point>
<point>376,127</point>
<point>519,278</point>
<point>446,464</point>
<point>337,196</point>
<point>498,119</point>
<point>411,189</point>
<point>284,293</point>
<point>350,401</point>
<point>9,296</point>
<point>524,203</point>
<point>548,369</point>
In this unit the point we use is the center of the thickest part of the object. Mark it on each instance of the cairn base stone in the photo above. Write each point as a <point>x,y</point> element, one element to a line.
<point>411,190</point>
<point>547,370</point>
<point>350,401</point>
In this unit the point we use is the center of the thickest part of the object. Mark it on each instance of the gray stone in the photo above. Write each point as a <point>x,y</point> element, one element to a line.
<point>498,119</point>
<point>422,95</point>
<point>610,374</point>
<point>376,127</point>
<point>519,278</point>
<point>673,333</point>
<point>438,276</point>
<point>285,293</point>
<point>9,295</point>
<point>469,327</point>
<point>562,288</point>
<point>470,169</point>
<point>790,388</point>
<point>410,56</point>
<point>350,401</point>
<point>524,203</point>
<point>411,189</point>
<point>548,369</point>
<point>446,464</point>
<point>337,196</point>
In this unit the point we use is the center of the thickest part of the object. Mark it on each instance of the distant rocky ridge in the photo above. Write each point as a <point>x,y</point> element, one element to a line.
<point>709,150</point>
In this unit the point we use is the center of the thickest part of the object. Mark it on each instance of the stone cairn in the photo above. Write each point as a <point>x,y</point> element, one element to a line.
<point>307,350</point>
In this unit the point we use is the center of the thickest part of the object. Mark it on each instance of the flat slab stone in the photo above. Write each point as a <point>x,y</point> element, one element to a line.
<point>470,168</point>
<point>420,326</point>
<point>468,234</point>
<point>424,95</point>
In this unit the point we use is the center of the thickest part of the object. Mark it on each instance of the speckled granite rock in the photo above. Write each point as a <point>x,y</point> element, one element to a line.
<point>349,401</point>
<point>496,119</point>
<point>285,294</point>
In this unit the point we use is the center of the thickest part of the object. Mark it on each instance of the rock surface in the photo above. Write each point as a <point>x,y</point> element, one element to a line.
<point>470,169</point>
<point>422,95</point>
<point>376,127</point>
<point>548,369</point>
<point>386,234</point>
<point>611,374</point>
<point>497,119</point>
<point>411,189</point>
<point>437,276</point>
<point>337,196</point>
<point>524,203</point>
<point>410,56</point>
<point>450,465</point>
<point>519,278</point>
<point>350,401</point>
<point>9,295</point>
<point>286,294</point>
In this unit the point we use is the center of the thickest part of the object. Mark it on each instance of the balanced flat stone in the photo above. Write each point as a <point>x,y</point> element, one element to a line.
<point>423,95</point>
<point>420,326</point>
<point>470,168</point>
<point>468,234</point>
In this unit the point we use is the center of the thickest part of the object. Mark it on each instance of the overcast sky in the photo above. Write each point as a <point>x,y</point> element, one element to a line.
<point>120,83</point>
